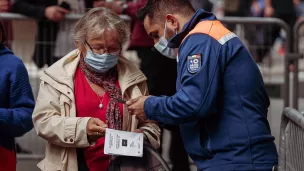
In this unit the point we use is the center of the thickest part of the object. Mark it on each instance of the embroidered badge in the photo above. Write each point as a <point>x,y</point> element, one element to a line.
<point>194,63</point>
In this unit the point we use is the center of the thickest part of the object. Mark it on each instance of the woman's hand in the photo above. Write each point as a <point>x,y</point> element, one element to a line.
<point>96,129</point>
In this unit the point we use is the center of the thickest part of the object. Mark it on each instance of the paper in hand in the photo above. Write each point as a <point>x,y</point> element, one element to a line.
<point>123,143</point>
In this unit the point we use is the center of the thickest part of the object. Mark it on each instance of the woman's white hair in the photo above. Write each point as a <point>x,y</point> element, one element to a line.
<point>96,21</point>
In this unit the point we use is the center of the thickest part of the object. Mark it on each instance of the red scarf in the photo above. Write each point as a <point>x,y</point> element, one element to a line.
<point>107,81</point>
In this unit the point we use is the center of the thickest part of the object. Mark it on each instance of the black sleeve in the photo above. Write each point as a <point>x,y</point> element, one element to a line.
<point>29,8</point>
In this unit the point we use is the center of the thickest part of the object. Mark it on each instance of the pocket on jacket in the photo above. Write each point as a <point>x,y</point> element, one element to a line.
<point>45,165</point>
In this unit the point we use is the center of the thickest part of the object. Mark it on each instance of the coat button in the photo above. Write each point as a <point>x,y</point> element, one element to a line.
<point>69,92</point>
<point>71,140</point>
<point>65,139</point>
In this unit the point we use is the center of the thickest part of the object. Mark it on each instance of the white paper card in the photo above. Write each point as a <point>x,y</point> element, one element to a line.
<point>123,143</point>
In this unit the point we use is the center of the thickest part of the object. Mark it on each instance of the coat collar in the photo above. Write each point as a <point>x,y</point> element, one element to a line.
<point>199,15</point>
<point>64,70</point>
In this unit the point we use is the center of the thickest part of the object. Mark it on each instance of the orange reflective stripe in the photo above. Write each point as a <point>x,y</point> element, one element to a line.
<point>214,29</point>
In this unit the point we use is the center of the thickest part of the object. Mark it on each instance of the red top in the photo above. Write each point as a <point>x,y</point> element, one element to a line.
<point>87,105</point>
<point>7,160</point>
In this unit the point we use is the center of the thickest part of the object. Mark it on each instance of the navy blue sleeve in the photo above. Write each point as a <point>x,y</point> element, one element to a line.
<point>197,91</point>
<point>17,119</point>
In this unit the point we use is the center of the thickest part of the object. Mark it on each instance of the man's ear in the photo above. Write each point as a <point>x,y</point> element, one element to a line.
<point>172,20</point>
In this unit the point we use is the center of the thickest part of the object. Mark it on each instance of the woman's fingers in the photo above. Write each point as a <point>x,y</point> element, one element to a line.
<point>96,128</point>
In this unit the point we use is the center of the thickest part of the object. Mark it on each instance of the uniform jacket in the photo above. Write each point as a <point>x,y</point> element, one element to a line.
<point>55,118</point>
<point>221,103</point>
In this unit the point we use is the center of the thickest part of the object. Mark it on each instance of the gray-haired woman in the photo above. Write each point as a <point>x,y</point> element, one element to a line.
<point>78,96</point>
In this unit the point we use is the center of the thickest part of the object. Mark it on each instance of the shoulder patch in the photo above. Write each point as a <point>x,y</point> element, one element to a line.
<point>194,63</point>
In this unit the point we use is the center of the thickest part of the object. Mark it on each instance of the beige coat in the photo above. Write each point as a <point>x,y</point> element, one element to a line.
<point>55,118</point>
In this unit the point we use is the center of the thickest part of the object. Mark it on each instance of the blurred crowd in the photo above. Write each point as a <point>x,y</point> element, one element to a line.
<point>53,38</point>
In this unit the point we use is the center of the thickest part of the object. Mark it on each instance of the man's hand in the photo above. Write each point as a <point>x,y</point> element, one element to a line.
<point>116,6</point>
<point>136,107</point>
<point>4,5</point>
<point>96,129</point>
<point>55,13</point>
<point>138,131</point>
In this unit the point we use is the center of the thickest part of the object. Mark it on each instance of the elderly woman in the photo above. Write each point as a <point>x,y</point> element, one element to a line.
<point>81,94</point>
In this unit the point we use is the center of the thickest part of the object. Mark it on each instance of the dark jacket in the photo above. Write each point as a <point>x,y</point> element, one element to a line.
<point>47,30</point>
<point>16,99</point>
<point>221,103</point>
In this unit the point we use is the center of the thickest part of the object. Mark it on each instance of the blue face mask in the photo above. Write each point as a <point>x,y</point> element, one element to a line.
<point>162,46</point>
<point>101,63</point>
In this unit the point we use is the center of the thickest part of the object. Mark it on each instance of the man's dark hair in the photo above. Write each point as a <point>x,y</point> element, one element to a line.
<point>2,34</point>
<point>157,9</point>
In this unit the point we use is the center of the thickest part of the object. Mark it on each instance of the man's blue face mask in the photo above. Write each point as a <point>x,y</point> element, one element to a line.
<point>162,46</point>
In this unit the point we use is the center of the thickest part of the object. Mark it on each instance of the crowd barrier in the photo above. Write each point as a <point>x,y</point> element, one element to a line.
<point>291,149</point>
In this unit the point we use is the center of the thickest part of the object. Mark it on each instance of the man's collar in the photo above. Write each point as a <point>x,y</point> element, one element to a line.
<point>198,16</point>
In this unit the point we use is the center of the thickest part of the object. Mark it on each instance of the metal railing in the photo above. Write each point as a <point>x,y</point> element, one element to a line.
<point>295,60</point>
<point>291,147</point>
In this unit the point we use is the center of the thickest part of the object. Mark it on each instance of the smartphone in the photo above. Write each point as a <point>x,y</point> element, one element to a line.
<point>66,6</point>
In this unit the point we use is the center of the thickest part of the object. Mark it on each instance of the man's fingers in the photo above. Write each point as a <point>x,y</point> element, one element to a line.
<point>138,131</point>
<point>132,101</point>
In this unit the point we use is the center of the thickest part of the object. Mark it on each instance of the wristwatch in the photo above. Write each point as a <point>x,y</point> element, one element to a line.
<point>124,8</point>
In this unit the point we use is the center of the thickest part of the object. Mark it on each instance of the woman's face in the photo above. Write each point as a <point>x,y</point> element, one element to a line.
<point>108,42</point>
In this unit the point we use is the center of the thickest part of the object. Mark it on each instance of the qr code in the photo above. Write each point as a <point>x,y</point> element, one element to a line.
<point>124,143</point>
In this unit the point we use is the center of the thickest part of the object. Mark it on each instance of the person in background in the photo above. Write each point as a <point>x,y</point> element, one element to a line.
<point>48,14</point>
<point>241,8</point>
<point>299,5</point>
<point>159,69</point>
<point>221,104</point>
<point>16,104</point>
<point>7,25</point>
<point>4,5</point>
<point>282,9</point>
<point>79,96</point>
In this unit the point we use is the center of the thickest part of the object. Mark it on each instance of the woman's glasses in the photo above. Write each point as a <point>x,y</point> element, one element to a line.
<point>99,50</point>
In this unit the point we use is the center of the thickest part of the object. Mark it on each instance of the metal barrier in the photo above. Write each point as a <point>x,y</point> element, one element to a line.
<point>295,59</point>
<point>251,21</point>
<point>291,141</point>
